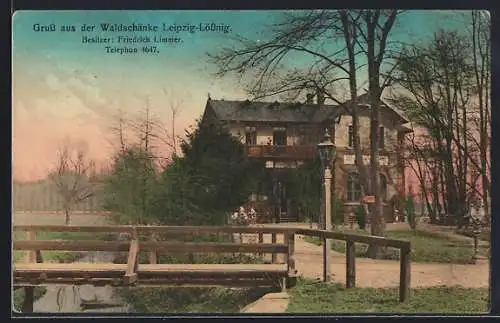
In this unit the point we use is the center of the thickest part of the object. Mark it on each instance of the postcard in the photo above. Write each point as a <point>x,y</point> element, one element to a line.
<point>281,161</point>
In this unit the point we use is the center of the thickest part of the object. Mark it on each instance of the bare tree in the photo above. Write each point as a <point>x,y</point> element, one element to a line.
<point>481,44</point>
<point>439,91</point>
<point>72,178</point>
<point>333,41</point>
<point>118,129</point>
<point>375,33</point>
<point>175,104</point>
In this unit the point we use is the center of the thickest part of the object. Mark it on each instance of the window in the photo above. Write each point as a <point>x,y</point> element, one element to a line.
<point>351,136</point>
<point>381,138</point>
<point>251,137</point>
<point>279,137</point>
<point>383,187</point>
<point>353,187</point>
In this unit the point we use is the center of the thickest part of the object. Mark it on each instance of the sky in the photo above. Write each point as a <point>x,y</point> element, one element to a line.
<point>67,90</point>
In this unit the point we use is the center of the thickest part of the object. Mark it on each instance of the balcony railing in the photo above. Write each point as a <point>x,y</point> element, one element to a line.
<point>281,152</point>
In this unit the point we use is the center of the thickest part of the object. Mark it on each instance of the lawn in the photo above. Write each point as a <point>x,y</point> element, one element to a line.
<point>426,247</point>
<point>310,296</point>
<point>189,299</point>
<point>484,235</point>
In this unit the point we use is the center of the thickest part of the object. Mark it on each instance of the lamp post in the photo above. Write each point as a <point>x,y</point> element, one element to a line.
<point>326,151</point>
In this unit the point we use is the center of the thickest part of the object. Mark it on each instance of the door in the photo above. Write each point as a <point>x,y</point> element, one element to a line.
<point>282,199</point>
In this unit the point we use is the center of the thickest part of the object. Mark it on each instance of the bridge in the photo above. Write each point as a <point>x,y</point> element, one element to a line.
<point>279,271</point>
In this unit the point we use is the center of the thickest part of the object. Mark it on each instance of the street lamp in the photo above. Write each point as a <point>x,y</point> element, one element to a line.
<point>326,150</point>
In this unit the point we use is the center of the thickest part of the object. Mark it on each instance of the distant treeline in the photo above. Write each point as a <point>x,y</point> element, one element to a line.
<point>42,195</point>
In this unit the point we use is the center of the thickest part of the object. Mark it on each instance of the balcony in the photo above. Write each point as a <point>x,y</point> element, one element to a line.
<point>281,152</point>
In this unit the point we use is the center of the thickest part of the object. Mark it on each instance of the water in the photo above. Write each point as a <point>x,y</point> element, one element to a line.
<point>68,299</point>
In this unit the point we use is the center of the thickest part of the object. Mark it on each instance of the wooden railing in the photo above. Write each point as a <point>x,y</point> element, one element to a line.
<point>282,152</point>
<point>139,242</point>
<point>142,238</point>
<point>351,239</point>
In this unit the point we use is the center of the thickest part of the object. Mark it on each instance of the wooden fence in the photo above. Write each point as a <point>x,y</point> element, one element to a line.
<point>350,240</point>
<point>131,273</point>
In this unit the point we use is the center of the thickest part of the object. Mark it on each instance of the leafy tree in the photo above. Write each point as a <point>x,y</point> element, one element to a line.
<point>306,190</point>
<point>129,189</point>
<point>212,178</point>
<point>175,199</point>
<point>222,176</point>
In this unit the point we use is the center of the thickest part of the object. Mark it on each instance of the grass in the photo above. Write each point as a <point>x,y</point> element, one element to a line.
<point>485,235</point>
<point>310,296</point>
<point>426,247</point>
<point>189,300</point>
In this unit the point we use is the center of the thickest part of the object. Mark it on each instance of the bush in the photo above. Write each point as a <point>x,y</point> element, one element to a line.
<point>410,212</point>
<point>361,217</point>
<point>337,209</point>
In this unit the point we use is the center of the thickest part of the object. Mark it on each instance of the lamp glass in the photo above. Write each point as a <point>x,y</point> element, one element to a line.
<point>326,149</point>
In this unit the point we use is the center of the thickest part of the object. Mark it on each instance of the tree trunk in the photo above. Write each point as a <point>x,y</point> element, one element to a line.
<point>481,58</point>
<point>66,216</point>
<point>377,221</point>
<point>350,38</point>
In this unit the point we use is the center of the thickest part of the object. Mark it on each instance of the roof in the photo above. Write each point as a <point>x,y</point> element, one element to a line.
<point>272,111</point>
<point>247,111</point>
<point>364,99</point>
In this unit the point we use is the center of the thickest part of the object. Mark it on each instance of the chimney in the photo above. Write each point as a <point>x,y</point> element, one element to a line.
<point>320,97</point>
<point>309,98</point>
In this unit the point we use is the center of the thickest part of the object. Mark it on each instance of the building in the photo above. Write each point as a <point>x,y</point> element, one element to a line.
<point>286,134</point>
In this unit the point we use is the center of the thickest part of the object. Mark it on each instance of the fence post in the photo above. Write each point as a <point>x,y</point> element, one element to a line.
<point>29,291</point>
<point>291,252</point>
<point>152,255</point>
<point>261,240</point>
<point>29,299</point>
<point>350,264</point>
<point>273,240</point>
<point>132,259</point>
<point>405,273</point>
<point>30,255</point>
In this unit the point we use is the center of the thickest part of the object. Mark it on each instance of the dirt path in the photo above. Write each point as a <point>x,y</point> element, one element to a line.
<point>383,273</point>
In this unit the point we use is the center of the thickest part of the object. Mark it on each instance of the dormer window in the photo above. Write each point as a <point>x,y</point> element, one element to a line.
<point>275,105</point>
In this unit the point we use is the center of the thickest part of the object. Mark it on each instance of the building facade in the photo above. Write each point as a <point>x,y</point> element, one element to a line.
<point>286,134</point>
